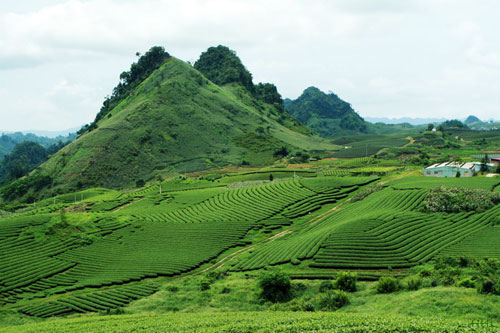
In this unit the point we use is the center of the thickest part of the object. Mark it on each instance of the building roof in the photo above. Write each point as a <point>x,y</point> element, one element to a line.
<point>468,165</point>
<point>495,158</point>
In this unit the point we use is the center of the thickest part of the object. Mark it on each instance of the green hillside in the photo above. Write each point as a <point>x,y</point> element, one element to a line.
<point>326,114</point>
<point>175,120</point>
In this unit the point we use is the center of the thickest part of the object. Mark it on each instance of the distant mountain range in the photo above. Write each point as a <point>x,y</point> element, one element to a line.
<point>422,121</point>
<point>412,121</point>
<point>47,134</point>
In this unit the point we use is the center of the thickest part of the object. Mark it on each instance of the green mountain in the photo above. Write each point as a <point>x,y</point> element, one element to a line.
<point>326,114</point>
<point>175,120</point>
<point>472,119</point>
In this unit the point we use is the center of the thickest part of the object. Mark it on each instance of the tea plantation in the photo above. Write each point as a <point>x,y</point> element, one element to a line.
<point>98,250</point>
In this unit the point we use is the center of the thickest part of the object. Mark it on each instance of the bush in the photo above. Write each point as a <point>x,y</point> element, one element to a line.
<point>332,300</point>
<point>413,283</point>
<point>325,286</point>
<point>467,283</point>
<point>173,289</point>
<point>488,287</point>
<point>360,195</point>
<point>387,285</point>
<point>205,285</point>
<point>275,286</point>
<point>454,200</point>
<point>346,282</point>
<point>299,287</point>
<point>225,290</point>
<point>302,305</point>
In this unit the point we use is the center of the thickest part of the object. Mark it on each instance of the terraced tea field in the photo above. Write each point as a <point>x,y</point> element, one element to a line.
<point>59,263</point>
<point>99,249</point>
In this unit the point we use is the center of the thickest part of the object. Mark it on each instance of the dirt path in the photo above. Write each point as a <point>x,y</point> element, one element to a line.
<point>222,262</point>
<point>312,221</point>
<point>128,204</point>
<point>412,140</point>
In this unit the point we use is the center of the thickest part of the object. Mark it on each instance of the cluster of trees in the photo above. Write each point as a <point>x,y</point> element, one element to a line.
<point>129,80</point>
<point>454,200</point>
<point>276,286</point>
<point>454,123</point>
<point>221,65</point>
<point>25,157</point>
<point>268,93</point>
<point>21,187</point>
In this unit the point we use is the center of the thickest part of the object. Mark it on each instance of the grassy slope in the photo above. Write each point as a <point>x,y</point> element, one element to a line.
<point>176,120</point>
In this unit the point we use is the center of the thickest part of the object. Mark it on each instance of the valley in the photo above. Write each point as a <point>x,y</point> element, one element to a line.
<point>198,200</point>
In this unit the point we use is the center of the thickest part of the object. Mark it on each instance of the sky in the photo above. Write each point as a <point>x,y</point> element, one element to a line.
<point>388,58</point>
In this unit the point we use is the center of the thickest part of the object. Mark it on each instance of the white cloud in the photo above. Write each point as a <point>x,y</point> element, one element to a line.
<point>387,57</point>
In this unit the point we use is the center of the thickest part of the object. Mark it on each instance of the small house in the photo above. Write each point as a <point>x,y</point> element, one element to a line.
<point>495,161</point>
<point>450,169</point>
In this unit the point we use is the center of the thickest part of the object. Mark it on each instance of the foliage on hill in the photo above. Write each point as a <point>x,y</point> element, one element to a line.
<point>24,158</point>
<point>129,80</point>
<point>221,66</point>
<point>454,123</point>
<point>9,141</point>
<point>268,93</point>
<point>326,114</point>
<point>454,200</point>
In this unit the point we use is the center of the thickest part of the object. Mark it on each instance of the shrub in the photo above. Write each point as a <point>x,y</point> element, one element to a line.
<point>425,273</point>
<point>387,285</point>
<point>216,275</point>
<point>205,285</point>
<point>325,286</point>
<point>413,283</point>
<point>275,286</point>
<point>299,287</point>
<point>448,276</point>
<point>467,283</point>
<point>173,289</point>
<point>346,282</point>
<point>332,300</point>
<point>454,200</point>
<point>225,290</point>
<point>488,287</point>
<point>302,305</point>
<point>360,195</point>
